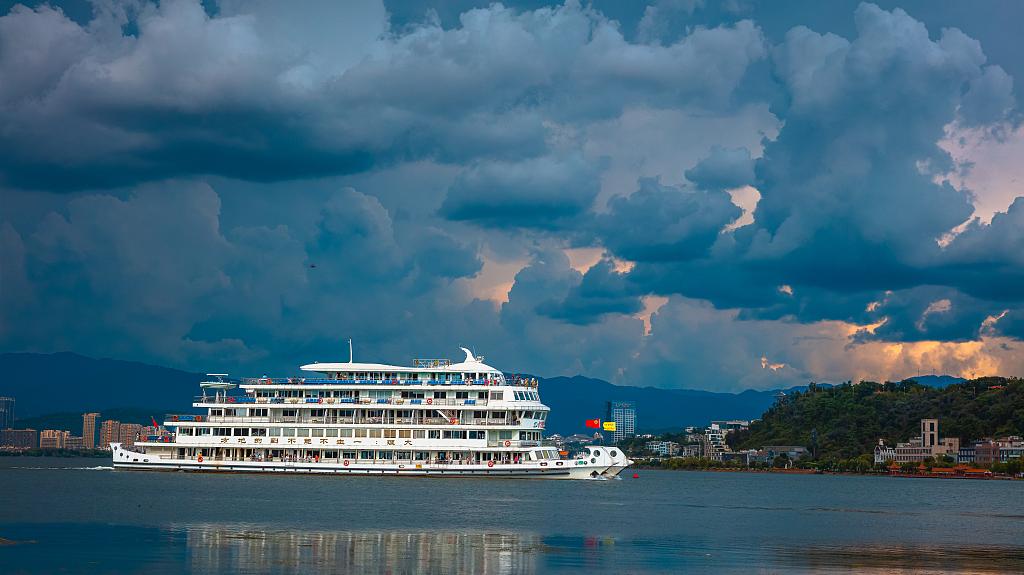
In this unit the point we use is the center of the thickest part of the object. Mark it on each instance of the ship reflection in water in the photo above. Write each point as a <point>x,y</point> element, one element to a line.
<point>223,548</point>
<point>219,548</point>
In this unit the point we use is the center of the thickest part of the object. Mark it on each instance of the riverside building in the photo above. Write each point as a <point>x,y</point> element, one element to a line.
<point>89,430</point>
<point>435,418</point>
<point>623,413</point>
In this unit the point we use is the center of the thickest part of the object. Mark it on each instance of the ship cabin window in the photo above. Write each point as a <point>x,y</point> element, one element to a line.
<point>288,431</point>
<point>360,432</point>
<point>185,431</point>
<point>433,434</point>
<point>390,434</point>
<point>316,432</point>
<point>461,395</point>
<point>475,434</point>
<point>302,432</point>
<point>454,434</point>
<point>440,394</point>
<point>216,412</point>
<point>275,432</point>
<point>497,395</point>
<point>373,433</point>
<point>289,412</point>
<point>222,431</point>
<point>259,432</point>
<point>405,433</point>
<point>479,414</point>
<point>202,431</point>
<point>258,412</point>
<point>419,433</point>
<point>240,432</point>
<point>497,415</point>
<point>481,395</point>
<point>365,455</point>
<point>331,433</point>
<point>412,395</point>
<point>422,456</point>
<point>345,432</point>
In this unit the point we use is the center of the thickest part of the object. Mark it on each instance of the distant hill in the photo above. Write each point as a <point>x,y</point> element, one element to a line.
<point>576,399</point>
<point>936,380</point>
<point>61,386</point>
<point>68,382</point>
<point>72,421</point>
<point>850,419</point>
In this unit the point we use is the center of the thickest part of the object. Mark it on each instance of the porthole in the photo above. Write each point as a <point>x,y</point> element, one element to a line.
<point>597,453</point>
<point>593,460</point>
<point>613,453</point>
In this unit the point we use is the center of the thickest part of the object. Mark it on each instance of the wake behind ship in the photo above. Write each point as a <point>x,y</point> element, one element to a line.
<point>434,418</point>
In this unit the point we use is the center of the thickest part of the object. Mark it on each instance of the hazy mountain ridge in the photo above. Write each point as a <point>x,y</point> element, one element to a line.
<point>54,389</point>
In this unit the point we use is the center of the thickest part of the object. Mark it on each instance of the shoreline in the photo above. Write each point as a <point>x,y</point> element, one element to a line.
<point>817,472</point>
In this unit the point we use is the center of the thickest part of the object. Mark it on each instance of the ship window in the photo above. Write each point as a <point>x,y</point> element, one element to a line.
<point>345,432</point>
<point>497,395</point>
<point>454,434</point>
<point>317,432</point>
<point>405,433</point>
<point>239,431</point>
<point>302,432</point>
<point>331,432</point>
<point>288,432</point>
<point>259,432</point>
<point>275,432</point>
<point>216,412</point>
<point>365,455</point>
<point>474,434</point>
<point>385,455</point>
<point>186,431</point>
<point>203,431</point>
<point>433,434</point>
<point>348,454</point>
<point>440,394</point>
<point>374,433</point>
<point>361,432</point>
<point>461,395</point>
<point>289,412</point>
<point>419,433</point>
<point>389,433</point>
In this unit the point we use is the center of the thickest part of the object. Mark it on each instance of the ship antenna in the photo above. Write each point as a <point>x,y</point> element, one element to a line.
<point>350,357</point>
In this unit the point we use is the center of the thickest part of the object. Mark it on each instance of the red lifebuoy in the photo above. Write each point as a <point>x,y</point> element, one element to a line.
<point>508,443</point>
<point>345,463</point>
<point>200,458</point>
<point>490,464</point>
<point>454,421</point>
<point>430,400</point>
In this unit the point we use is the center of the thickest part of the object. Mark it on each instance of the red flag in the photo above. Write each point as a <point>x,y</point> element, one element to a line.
<point>154,422</point>
<point>595,423</point>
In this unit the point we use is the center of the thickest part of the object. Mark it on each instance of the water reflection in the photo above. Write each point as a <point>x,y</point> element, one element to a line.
<point>219,548</point>
<point>923,558</point>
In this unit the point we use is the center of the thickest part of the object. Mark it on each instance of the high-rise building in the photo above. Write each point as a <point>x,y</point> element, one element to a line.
<point>74,442</point>
<point>89,430</point>
<point>110,431</point>
<point>929,433</point>
<point>623,413</point>
<point>19,438</point>
<point>128,433</point>
<point>6,412</point>
<point>53,439</point>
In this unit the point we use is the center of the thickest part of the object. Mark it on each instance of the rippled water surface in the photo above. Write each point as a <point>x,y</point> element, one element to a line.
<point>80,516</point>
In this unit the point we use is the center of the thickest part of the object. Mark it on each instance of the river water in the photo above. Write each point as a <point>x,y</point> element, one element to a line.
<point>80,516</point>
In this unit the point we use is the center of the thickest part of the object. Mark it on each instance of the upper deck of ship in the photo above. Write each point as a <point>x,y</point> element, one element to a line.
<point>471,371</point>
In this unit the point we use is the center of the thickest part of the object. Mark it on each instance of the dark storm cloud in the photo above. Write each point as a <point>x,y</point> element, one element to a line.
<point>849,204</point>
<point>266,92</point>
<point>665,223</point>
<point>541,192</point>
<point>486,135</point>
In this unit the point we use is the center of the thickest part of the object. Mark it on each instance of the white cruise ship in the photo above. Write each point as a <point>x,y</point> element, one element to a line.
<point>434,418</point>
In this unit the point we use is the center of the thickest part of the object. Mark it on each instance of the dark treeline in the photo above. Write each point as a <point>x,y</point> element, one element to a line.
<point>845,422</point>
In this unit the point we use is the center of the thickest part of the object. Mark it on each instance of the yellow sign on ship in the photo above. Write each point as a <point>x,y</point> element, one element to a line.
<point>609,426</point>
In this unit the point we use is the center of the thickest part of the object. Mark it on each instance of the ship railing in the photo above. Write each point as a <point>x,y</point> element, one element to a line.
<point>513,443</point>
<point>234,419</point>
<point>339,401</point>
<point>329,381</point>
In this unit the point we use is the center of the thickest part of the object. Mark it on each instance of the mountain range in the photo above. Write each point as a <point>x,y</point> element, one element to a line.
<point>52,389</point>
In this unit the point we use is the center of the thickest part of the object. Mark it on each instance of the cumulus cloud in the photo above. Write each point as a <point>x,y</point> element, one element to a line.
<point>251,183</point>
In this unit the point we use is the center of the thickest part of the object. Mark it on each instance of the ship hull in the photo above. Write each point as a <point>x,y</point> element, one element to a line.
<point>125,459</point>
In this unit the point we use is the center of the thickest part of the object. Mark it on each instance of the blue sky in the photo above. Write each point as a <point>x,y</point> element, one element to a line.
<point>680,194</point>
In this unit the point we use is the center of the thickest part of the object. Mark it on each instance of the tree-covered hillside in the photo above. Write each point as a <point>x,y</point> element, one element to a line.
<point>849,419</point>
